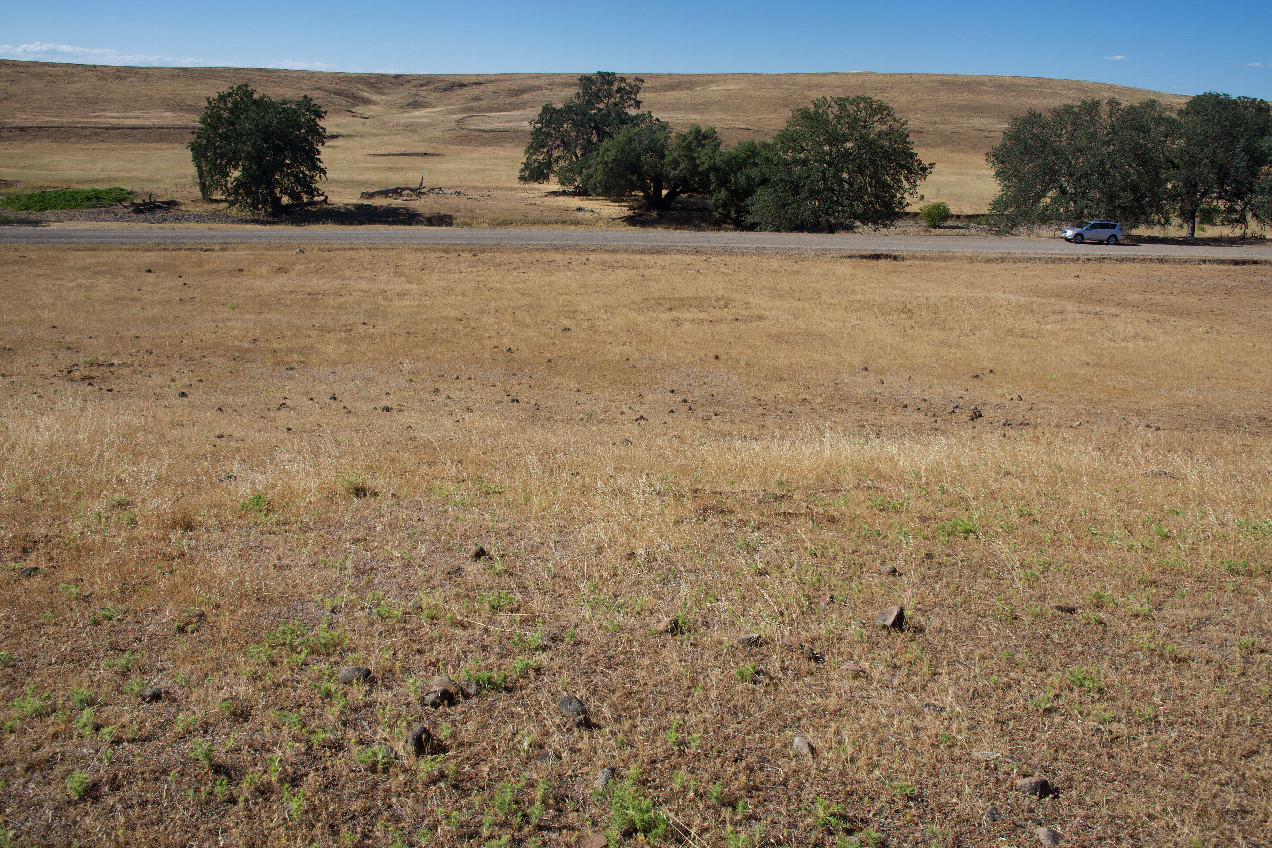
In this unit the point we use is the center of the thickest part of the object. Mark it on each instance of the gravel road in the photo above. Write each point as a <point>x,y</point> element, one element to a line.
<point>636,239</point>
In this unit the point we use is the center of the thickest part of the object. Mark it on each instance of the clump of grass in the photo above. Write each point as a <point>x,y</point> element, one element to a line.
<point>66,198</point>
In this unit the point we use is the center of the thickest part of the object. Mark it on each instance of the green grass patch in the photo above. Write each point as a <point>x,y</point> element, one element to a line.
<point>66,198</point>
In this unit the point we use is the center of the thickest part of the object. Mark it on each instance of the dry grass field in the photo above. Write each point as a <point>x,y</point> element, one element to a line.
<point>229,473</point>
<point>92,125</point>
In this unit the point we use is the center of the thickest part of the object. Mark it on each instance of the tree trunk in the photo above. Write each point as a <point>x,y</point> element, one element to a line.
<point>1192,226</point>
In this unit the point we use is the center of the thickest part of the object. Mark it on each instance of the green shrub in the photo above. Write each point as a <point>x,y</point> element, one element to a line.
<point>67,198</point>
<point>935,214</point>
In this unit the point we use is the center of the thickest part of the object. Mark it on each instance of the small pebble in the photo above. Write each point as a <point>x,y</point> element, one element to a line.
<point>854,669</point>
<point>993,814</point>
<point>1039,787</point>
<point>571,706</point>
<point>670,626</point>
<point>446,683</point>
<point>547,758</point>
<point>603,777</point>
<point>420,741</point>
<point>1048,837</point>
<point>889,570</point>
<point>893,618</point>
<point>151,695</point>
<point>354,674</point>
<point>29,571</point>
<point>802,747</point>
<point>437,698</point>
<point>750,640</point>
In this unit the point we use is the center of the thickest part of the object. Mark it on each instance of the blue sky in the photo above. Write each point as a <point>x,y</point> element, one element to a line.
<point>1178,47</point>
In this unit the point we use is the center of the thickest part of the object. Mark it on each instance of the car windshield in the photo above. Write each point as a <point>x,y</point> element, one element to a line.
<point>1088,224</point>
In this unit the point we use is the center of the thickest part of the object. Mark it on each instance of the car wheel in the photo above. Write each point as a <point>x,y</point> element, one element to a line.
<point>1111,240</point>
<point>1077,238</point>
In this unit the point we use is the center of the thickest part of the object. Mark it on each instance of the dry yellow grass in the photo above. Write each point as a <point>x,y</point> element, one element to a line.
<point>87,125</point>
<point>237,470</point>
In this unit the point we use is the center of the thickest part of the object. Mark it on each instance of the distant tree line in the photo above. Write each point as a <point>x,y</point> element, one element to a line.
<point>1210,162</point>
<point>839,161</point>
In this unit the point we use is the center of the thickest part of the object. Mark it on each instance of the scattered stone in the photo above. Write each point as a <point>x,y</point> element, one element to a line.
<point>802,747</point>
<point>29,571</point>
<point>976,415</point>
<point>437,698</point>
<point>151,695</point>
<point>1048,837</point>
<point>1067,609</point>
<point>893,618</point>
<point>889,571</point>
<point>750,640</point>
<point>471,688</point>
<point>571,706</point>
<point>603,777</point>
<point>548,758</point>
<point>446,683</point>
<point>670,626</point>
<point>300,250</point>
<point>993,814</point>
<point>854,669</point>
<point>593,840</point>
<point>420,742</point>
<point>478,554</point>
<point>1039,787</point>
<point>811,655</point>
<point>354,674</point>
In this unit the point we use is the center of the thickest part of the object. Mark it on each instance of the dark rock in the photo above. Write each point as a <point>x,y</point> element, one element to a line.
<point>420,741</point>
<point>1039,787</point>
<point>603,778</point>
<point>548,758</point>
<point>893,618</point>
<point>1048,837</point>
<point>151,695</point>
<point>1067,609</point>
<point>29,571</point>
<point>976,415</point>
<point>993,814</point>
<point>811,655</point>
<point>437,698</point>
<point>571,706</point>
<point>750,640</point>
<point>471,689</point>
<point>478,554</point>
<point>802,747</point>
<point>446,683</point>
<point>889,571</point>
<point>354,674</point>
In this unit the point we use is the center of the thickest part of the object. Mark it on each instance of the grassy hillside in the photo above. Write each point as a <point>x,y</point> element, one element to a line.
<point>96,125</point>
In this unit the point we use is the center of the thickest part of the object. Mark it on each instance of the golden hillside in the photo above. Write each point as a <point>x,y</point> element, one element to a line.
<point>85,124</point>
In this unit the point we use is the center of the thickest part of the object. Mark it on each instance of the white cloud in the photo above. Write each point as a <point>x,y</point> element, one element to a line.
<point>1256,65</point>
<point>293,65</point>
<point>1114,58</point>
<point>40,51</point>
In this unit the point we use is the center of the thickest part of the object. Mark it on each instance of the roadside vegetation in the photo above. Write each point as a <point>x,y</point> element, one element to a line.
<point>1140,164</point>
<point>69,198</point>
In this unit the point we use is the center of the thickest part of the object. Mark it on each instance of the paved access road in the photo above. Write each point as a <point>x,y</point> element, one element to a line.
<point>637,239</point>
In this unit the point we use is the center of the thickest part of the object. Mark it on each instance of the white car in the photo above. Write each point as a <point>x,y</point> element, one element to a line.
<point>1105,231</point>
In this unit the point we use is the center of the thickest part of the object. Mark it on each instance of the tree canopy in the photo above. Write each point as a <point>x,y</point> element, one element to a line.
<point>1085,160</point>
<point>562,138</point>
<point>1138,163</point>
<point>257,152</point>
<point>645,158</point>
<point>1223,151</point>
<point>842,160</point>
